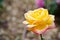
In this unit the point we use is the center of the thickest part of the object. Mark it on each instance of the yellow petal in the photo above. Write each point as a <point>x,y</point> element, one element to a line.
<point>50,19</point>
<point>43,14</point>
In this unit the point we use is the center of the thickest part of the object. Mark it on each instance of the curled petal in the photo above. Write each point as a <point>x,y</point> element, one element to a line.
<point>30,26</point>
<point>25,22</point>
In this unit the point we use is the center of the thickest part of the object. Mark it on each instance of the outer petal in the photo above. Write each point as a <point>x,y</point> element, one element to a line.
<point>25,22</point>
<point>50,19</point>
<point>52,25</point>
<point>45,29</point>
<point>40,31</point>
<point>30,26</point>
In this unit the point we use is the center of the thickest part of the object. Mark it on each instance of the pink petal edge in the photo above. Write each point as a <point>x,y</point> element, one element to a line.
<point>45,29</point>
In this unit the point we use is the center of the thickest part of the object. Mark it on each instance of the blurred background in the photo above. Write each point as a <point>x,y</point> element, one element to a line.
<point>12,16</point>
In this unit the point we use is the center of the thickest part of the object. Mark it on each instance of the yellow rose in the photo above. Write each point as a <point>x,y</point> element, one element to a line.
<point>38,19</point>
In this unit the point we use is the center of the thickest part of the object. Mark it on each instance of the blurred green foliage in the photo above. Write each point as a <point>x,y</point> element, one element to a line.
<point>50,5</point>
<point>1,1</point>
<point>1,7</point>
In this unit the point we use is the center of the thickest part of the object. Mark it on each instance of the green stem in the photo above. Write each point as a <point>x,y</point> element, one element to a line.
<point>41,37</point>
